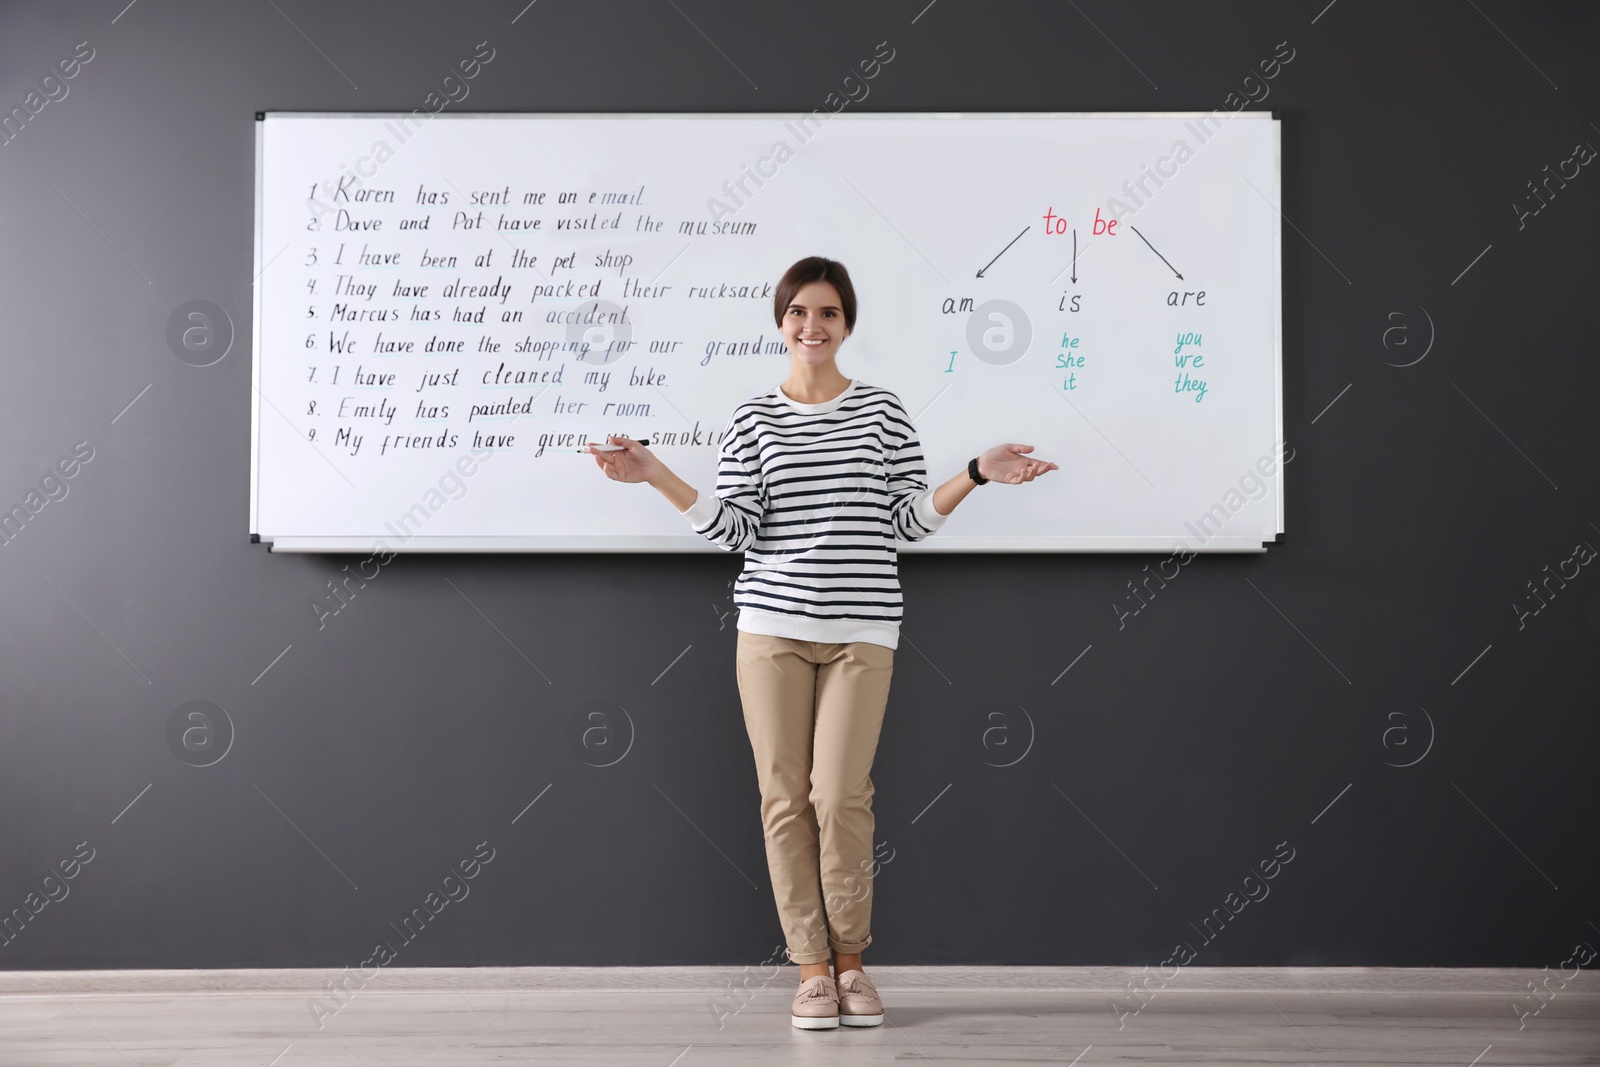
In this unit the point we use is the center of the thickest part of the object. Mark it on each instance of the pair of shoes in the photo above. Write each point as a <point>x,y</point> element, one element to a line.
<point>816,1004</point>
<point>859,1004</point>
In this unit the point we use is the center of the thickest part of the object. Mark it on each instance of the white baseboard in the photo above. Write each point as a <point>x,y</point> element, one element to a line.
<point>1110,980</point>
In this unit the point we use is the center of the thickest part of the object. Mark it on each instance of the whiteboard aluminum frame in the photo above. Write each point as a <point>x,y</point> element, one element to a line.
<point>695,543</point>
<point>1277,310</point>
<point>369,546</point>
<point>255,339</point>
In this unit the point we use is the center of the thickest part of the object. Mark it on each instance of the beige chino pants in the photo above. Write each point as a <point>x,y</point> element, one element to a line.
<point>814,711</point>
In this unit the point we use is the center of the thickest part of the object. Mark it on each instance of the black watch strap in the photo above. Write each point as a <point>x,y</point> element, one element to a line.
<point>972,471</point>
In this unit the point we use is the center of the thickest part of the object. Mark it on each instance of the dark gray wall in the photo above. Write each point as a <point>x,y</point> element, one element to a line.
<point>1255,701</point>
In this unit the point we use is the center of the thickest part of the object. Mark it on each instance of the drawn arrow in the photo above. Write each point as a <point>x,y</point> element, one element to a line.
<point>1074,257</point>
<point>1013,241</point>
<point>1152,248</point>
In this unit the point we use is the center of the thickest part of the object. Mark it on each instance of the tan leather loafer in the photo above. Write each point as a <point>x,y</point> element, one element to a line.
<point>816,1004</point>
<point>859,1004</point>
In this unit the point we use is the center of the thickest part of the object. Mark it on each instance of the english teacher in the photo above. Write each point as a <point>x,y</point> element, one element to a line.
<point>816,479</point>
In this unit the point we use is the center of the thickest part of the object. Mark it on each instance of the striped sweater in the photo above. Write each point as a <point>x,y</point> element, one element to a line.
<point>815,496</point>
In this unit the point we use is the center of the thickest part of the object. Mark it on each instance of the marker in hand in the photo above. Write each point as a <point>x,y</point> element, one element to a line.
<point>597,446</point>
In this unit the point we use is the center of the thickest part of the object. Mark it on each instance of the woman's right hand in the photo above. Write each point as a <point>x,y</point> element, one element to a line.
<point>635,463</point>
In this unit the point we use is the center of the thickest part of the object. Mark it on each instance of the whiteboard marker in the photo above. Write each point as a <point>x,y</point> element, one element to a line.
<point>610,448</point>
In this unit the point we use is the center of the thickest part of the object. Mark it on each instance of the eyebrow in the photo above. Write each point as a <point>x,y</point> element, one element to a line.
<point>802,307</point>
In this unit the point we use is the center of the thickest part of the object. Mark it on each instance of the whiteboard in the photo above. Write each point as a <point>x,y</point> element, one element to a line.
<point>445,309</point>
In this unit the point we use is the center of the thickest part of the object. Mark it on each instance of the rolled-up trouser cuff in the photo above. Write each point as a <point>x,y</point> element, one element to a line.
<point>849,947</point>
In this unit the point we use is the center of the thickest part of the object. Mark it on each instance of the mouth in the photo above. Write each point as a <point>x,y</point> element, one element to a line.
<point>813,344</point>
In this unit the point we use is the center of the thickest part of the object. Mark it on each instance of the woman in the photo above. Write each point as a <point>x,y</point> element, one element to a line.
<point>815,480</point>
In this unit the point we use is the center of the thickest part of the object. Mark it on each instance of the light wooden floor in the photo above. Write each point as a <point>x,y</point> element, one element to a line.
<point>668,1017</point>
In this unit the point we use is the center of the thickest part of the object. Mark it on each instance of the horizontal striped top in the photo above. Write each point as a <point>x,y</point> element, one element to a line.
<point>815,495</point>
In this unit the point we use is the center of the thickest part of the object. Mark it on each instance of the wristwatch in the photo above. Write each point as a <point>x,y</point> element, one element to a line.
<point>972,471</point>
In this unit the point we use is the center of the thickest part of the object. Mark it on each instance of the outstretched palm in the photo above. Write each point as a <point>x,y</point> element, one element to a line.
<point>1009,464</point>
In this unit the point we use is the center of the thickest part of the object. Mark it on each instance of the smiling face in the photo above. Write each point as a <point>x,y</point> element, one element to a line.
<point>813,324</point>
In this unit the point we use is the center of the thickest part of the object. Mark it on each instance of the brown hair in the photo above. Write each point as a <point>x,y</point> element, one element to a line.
<point>815,269</point>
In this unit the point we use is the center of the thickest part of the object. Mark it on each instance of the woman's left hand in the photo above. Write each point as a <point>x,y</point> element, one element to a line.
<point>1009,464</point>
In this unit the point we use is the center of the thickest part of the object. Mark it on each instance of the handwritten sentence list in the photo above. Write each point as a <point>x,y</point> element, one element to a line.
<point>375,344</point>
